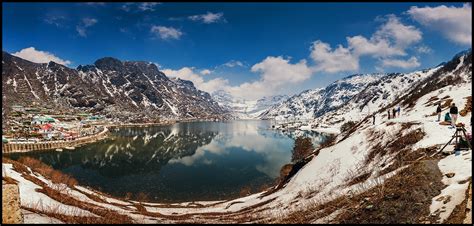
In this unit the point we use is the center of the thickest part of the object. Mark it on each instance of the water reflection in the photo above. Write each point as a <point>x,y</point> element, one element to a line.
<point>182,162</point>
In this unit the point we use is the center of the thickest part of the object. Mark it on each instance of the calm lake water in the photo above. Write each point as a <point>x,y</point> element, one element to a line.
<point>182,162</point>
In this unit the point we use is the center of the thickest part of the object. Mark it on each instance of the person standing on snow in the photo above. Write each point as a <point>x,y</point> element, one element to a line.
<point>398,111</point>
<point>454,114</point>
<point>388,113</point>
<point>373,119</point>
<point>394,112</point>
<point>438,111</point>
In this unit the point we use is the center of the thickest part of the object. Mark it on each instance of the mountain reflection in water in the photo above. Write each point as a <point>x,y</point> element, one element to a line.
<point>181,162</point>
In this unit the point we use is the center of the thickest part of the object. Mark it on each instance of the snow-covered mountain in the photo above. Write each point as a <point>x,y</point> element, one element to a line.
<point>246,109</point>
<point>125,89</point>
<point>314,103</point>
<point>355,97</point>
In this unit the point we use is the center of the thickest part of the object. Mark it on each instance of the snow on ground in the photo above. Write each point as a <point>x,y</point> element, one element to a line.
<point>456,188</point>
<point>31,198</point>
<point>34,218</point>
<point>325,176</point>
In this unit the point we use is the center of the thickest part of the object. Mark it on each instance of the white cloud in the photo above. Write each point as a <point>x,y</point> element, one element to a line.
<point>148,6</point>
<point>139,7</point>
<point>38,56</point>
<point>205,72</point>
<point>81,28</point>
<point>57,20</point>
<point>166,32</point>
<point>275,74</point>
<point>327,60</point>
<point>208,18</point>
<point>187,73</point>
<point>95,3</point>
<point>401,35</point>
<point>234,63</point>
<point>379,48</point>
<point>89,22</point>
<point>405,64</point>
<point>423,49</point>
<point>391,39</point>
<point>453,22</point>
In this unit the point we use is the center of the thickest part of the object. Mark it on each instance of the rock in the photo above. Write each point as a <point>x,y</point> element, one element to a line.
<point>450,175</point>
<point>369,207</point>
<point>11,212</point>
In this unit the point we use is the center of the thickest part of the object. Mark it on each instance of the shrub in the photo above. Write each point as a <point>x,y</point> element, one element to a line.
<point>303,147</point>
<point>347,125</point>
<point>55,176</point>
<point>246,190</point>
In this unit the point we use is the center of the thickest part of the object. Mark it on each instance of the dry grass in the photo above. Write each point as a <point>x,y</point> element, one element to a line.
<point>55,176</point>
<point>68,219</point>
<point>403,198</point>
<point>9,180</point>
<point>400,143</point>
<point>447,103</point>
<point>432,101</point>
<point>59,194</point>
<point>467,107</point>
<point>359,179</point>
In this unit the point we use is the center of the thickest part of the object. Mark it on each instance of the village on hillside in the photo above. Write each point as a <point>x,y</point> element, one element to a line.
<point>32,124</point>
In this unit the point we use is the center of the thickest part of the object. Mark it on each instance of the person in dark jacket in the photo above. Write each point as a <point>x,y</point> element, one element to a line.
<point>388,113</point>
<point>438,111</point>
<point>373,118</point>
<point>394,112</point>
<point>453,111</point>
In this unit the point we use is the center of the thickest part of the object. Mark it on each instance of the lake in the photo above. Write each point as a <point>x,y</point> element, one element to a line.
<point>181,162</point>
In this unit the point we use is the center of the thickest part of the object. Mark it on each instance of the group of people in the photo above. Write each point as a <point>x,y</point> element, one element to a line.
<point>451,116</point>
<point>395,112</point>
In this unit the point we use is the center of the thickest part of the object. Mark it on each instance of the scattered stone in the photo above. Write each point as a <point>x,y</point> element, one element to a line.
<point>448,198</point>
<point>450,175</point>
<point>369,207</point>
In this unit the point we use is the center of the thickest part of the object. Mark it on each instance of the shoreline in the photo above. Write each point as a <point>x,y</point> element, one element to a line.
<point>48,145</point>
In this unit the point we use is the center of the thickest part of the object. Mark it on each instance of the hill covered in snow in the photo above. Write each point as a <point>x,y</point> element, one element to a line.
<point>246,109</point>
<point>125,89</point>
<point>390,171</point>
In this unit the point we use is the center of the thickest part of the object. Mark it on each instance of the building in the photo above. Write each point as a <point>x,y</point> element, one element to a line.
<point>40,120</point>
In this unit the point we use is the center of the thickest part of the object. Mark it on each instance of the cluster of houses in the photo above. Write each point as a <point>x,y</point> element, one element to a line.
<point>33,124</point>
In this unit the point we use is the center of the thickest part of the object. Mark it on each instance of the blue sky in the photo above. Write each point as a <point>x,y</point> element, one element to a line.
<point>248,49</point>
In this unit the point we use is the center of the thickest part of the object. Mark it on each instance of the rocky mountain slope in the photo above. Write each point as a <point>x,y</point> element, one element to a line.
<point>128,90</point>
<point>364,94</point>
<point>314,103</point>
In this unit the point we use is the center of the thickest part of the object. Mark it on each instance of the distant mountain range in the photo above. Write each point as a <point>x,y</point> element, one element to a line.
<point>137,90</point>
<point>129,90</point>
<point>246,109</point>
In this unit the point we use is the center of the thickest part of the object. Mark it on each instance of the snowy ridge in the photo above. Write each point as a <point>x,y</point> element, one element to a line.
<point>246,109</point>
<point>130,90</point>
<point>327,175</point>
<point>313,103</point>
